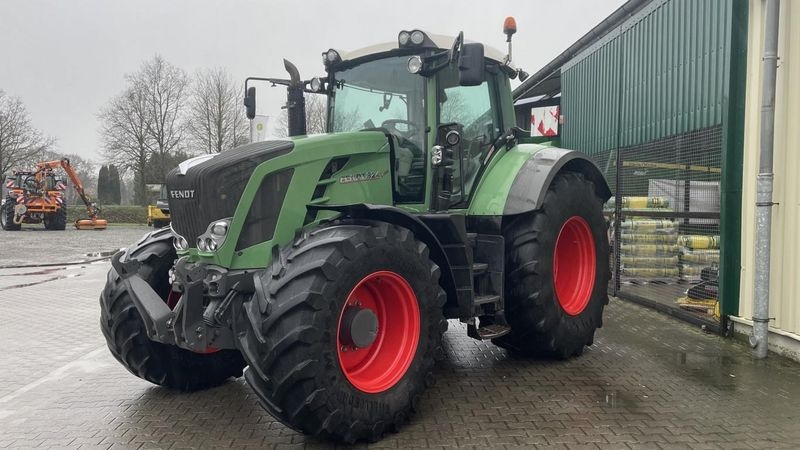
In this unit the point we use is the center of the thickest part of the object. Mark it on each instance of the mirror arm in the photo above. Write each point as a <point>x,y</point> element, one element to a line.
<point>455,51</point>
<point>433,63</point>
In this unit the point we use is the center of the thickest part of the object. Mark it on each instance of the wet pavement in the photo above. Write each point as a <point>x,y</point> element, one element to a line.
<point>649,381</point>
<point>33,245</point>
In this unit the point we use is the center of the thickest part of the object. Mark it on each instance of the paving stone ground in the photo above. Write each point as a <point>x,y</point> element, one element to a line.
<point>649,381</point>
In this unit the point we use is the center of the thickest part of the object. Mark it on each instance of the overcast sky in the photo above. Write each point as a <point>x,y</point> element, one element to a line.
<point>65,59</point>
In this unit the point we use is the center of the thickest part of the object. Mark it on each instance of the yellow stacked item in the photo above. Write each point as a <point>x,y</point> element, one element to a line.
<point>653,238</point>
<point>699,241</point>
<point>647,226</point>
<point>703,257</point>
<point>649,261</point>
<point>651,272</point>
<point>648,249</point>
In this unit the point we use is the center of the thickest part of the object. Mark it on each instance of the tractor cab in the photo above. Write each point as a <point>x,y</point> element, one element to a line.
<point>435,97</point>
<point>418,91</point>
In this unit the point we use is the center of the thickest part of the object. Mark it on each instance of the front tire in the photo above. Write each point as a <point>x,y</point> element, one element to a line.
<point>342,342</point>
<point>7,216</point>
<point>165,365</point>
<point>557,272</point>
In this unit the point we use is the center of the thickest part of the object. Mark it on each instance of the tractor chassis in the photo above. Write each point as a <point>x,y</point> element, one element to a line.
<point>205,301</point>
<point>197,315</point>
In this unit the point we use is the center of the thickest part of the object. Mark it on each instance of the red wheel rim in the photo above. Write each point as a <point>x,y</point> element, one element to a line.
<point>380,365</point>
<point>574,265</point>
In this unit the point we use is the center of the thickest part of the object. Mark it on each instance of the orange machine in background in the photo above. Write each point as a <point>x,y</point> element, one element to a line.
<point>37,197</point>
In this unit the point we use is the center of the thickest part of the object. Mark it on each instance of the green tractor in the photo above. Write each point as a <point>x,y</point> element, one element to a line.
<point>328,265</point>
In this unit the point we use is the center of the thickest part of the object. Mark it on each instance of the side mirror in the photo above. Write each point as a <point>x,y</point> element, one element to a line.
<point>250,102</point>
<point>471,65</point>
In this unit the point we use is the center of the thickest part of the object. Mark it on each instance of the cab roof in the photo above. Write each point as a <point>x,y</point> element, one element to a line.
<point>440,41</point>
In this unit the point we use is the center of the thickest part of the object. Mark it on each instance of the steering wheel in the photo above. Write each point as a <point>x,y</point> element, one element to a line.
<point>391,126</point>
<point>30,184</point>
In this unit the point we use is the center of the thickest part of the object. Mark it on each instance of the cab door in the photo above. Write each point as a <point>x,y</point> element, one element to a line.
<point>477,110</point>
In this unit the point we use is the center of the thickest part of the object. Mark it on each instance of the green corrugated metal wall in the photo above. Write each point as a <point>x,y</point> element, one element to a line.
<point>669,61</point>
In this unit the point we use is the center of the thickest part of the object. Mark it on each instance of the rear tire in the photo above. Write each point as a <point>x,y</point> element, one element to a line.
<point>56,221</point>
<point>304,367</point>
<point>126,336</point>
<point>554,308</point>
<point>7,216</point>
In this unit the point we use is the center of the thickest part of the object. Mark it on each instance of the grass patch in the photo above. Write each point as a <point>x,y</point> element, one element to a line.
<point>114,214</point>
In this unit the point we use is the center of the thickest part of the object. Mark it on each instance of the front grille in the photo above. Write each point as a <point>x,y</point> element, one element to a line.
<point>217,185</point>
<point>261,220</point>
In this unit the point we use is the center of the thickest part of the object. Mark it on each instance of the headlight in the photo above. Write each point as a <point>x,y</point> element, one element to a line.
<point>403,38</point>
<point>180,243</point>
<point>417,37</point>
<point>316,84</point>
<point>414,64</point>
<point>331,57</point>
<point>219,229</point>
<point>214,236</point>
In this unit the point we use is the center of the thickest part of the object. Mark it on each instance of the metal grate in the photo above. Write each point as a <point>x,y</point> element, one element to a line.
<point>664,218</point>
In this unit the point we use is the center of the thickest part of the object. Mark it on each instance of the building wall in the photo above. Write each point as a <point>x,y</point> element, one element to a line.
<point>661,96</point>
<point>785,261</point>
<point>661,73</point>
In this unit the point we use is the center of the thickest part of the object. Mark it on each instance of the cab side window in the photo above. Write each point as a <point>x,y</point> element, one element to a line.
<point>470,106</point>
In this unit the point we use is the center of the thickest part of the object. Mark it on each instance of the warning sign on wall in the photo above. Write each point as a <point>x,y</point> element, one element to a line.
<point>544,121</point>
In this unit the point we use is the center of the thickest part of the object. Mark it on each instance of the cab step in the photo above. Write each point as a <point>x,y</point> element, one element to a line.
<point>491,331</point>
<point>485,299</point>
<point>479,268</point>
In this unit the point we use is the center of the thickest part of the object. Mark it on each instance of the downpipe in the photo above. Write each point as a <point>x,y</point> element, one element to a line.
<point>760,333</point>
<point>764,185</point>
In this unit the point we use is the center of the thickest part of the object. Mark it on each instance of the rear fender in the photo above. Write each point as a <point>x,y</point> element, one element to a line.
<point>535,167</point>
<point>535,176</point>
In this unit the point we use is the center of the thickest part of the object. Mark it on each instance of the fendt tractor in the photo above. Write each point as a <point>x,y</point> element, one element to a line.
<point>37,196</point>
<point>327,266</point>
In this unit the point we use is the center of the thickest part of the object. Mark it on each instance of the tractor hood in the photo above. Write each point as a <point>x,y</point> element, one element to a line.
<point>211,188</point>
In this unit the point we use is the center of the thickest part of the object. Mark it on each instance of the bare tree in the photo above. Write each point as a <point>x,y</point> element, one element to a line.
<point>163,87</point>
<point>125,135</point>
<point>144,124</point>
<point>316,116</point>
<point>20,142</point>
<point>216,115</point>
<point>454,108</point>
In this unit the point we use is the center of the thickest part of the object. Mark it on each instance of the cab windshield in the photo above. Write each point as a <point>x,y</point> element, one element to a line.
<point>382,94</point>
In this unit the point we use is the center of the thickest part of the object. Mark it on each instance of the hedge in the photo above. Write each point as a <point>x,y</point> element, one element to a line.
<point>112,213</point>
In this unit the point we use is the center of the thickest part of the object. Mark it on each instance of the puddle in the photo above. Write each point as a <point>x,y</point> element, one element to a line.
<point>102,254</point>
<point>622,399</point>
<point>716,370</point>
<point>38,272</point>
<point>35,283</point>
